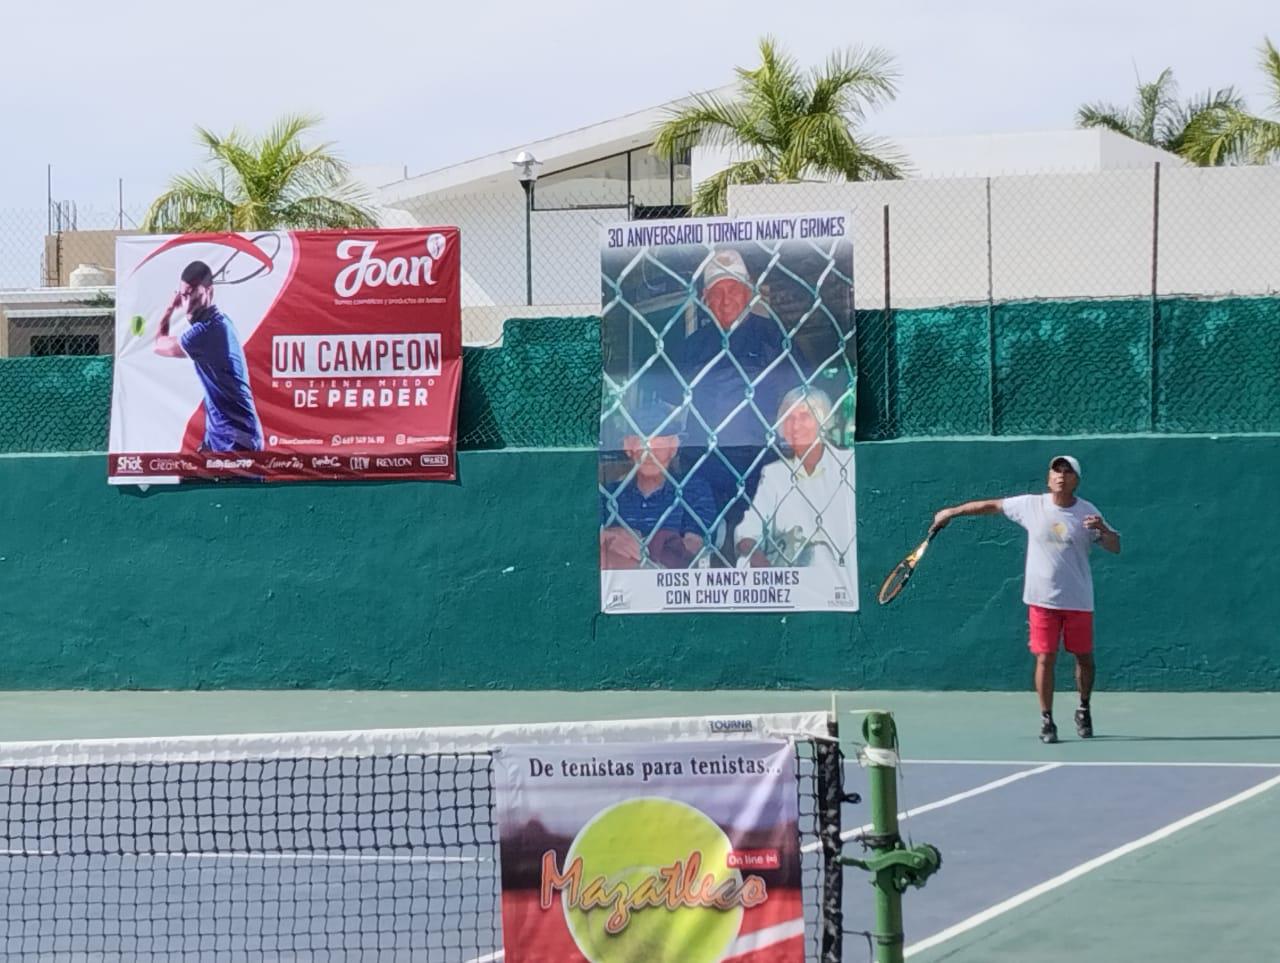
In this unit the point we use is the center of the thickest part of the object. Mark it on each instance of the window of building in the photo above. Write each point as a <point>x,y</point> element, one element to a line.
<point>637,179</point>
<point>44,345</point>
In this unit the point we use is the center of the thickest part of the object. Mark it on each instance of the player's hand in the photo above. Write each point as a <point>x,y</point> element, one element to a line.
<point>176,302</point>
<point>940,519</point>
<point>1095,524</point>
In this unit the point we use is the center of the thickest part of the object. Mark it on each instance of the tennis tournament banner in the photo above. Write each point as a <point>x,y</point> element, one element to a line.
<point>286,355</point>
<point>684,851</point>
<point>726,469</point>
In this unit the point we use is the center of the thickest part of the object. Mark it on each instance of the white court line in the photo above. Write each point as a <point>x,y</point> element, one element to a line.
<point>949,800</point>
<point>1087,867</point>
<point>762,939</point>
<point>1036,762</point>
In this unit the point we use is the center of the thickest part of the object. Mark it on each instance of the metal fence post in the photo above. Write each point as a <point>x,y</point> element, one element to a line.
<point>991,326</point>
<point>890,354</point>
<point>1154,326</point>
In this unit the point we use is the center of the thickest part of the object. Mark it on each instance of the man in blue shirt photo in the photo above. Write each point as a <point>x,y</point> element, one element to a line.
<point>650,517</point>
<point>211,343</point>
<point>734,369</point>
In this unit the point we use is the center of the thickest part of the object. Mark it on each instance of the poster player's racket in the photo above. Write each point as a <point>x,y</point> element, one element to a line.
<point>240,267</point>
<point>236,269</point>
<point>897,580</point>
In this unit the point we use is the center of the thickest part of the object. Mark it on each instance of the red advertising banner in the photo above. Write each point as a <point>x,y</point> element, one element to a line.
<point>287,355</point>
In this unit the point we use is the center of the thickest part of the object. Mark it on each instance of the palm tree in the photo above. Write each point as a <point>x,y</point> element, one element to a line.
<point>262,184</point>
<point>788,125</point>
<point>1158,118</point>
<point>1233,134</point>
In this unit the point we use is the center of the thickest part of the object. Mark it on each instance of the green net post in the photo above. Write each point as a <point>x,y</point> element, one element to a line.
<point>882,738</point>
<point>893,866</point>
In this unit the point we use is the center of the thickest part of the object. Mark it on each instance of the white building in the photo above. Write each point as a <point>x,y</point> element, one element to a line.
<point>606,173</point>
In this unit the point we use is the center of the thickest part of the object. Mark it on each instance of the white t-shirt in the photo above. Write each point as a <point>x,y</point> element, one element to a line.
<point>801,511</point>
<point>1057,574</point>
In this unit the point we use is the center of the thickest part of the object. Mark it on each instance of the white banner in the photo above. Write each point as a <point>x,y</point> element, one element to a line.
<point>684,851</point>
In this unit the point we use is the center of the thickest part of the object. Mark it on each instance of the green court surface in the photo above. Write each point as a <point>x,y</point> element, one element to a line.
<point>990,726</point>
<point>1157,840</point>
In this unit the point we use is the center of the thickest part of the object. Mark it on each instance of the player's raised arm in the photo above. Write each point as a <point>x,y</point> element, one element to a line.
<point>167,346</point>
<point>983,506</point>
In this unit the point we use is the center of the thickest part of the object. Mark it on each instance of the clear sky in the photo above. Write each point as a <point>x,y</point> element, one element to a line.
<point>105,91</point>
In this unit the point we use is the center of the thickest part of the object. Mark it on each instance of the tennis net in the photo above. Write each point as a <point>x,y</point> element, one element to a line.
<point>371,845</point>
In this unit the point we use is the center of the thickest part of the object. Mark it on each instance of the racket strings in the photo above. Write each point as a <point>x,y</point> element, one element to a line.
<point>221,275</point>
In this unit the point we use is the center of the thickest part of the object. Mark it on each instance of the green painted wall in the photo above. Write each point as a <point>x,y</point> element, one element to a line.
<point>492,582</point>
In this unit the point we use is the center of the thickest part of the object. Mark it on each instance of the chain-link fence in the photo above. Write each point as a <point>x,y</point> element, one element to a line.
<point>57,278</point>
<point>1108,302</point>
<point>1113,301</point>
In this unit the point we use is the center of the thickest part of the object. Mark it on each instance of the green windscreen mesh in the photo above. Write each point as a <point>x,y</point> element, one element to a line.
<point>1060,367</point>
<point>1217,365</point>
<point>1072,368</point>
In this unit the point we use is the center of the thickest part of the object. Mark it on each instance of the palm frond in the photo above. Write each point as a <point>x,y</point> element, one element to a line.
<point>192,203</point>
<point>318,212</point>
<point>826,146</point>
<point>1177,123</point>
<point>788,125</point>
<point>1219,136</point>
<point>1264,147</point>
<point>1154,99</point>
<point>1270,63</point>
<point>853,80</point>
<point>774,91</point>
<point>707,120</point>
<point>712,195</point>
<point>1108,116</point>
<point>273,181</point>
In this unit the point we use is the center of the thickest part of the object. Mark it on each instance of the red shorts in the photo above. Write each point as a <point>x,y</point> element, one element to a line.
<point>1074,628</point>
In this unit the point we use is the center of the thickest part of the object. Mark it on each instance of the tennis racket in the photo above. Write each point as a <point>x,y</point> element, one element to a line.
<point>232,272</point>
<point>896,580</point>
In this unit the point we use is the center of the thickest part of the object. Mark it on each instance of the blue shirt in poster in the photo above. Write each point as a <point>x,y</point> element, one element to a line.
<point>693,511</point>
<point>231,418</point>
<point>723,377</point>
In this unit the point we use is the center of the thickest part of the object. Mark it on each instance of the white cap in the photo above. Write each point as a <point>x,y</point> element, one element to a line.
<point>1073,462</point>
<point>726,263</point>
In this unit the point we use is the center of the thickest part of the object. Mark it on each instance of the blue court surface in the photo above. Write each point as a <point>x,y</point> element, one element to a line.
<point>1064,861</point>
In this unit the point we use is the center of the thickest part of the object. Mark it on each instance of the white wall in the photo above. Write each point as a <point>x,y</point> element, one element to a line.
<point>1052,235</point>
<point>565,248</point>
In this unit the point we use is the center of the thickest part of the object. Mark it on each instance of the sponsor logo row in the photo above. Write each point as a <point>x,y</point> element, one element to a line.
<point>142,465</point>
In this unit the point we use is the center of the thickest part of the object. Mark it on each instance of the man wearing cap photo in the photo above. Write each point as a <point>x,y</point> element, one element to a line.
<point>1058,582</point>
<point>731,363</point>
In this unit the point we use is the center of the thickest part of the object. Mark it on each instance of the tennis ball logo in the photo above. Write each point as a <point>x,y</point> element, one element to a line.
<point>656,886</point>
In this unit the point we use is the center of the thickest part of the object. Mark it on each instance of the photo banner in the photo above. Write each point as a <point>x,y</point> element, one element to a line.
<point>286,355</point>
<point>685,851</point>
<point>726,469</point>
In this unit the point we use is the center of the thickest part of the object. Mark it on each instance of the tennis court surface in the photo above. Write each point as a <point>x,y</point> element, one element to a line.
<point>1155,840</point>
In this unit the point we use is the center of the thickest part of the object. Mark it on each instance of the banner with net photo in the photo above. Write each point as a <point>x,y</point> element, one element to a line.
<point>726,474</point>
<point>286,355</point>
<point>620,852</point>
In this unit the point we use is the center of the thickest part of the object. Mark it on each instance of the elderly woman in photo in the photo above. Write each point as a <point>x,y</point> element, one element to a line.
<point>803,511</point>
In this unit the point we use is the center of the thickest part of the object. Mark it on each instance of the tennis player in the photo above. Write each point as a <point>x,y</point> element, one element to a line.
<point>231,418</point>
<point>1058,582</point>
